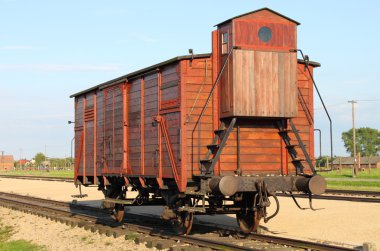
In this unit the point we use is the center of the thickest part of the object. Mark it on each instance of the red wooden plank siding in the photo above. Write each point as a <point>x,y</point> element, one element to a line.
<point>134,115</point>
<point>198,81</point>
<point>150,131</point>
<point>125,166</point>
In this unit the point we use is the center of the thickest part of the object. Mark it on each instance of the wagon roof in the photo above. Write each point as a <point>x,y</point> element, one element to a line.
<point>154,67</point>
<point>275,12</point>
<point>141,71</point>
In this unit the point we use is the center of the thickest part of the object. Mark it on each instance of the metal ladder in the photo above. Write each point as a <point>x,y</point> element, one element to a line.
<point>215,148</point>
<point>297,162</point>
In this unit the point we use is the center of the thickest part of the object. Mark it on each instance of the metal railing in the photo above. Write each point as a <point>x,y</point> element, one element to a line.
<point>198,122</point>
<point>306,59</point>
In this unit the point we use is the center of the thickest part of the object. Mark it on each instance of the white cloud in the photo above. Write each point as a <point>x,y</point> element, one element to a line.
<point>59,67</point>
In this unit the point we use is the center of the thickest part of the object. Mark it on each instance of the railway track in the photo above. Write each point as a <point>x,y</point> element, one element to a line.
<point>345,195</point>
<point>152,230</point>
<point>44,178</point>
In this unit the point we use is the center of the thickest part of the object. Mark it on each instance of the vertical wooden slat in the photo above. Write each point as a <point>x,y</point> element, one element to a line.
<point>275,78</point>
<point>159,134</point>
<point>142,127</point>
<point>125,128</point>
<point>104,160</point>
<point>95,130</point>
<point>84,138</point>
<point>216,95</point>
<point>182,90</point>
<point>113,129</point>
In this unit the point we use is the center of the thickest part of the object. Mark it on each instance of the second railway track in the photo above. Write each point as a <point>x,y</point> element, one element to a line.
<point>152,230</point>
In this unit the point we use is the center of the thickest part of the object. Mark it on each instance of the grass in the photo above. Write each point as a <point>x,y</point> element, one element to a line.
<point>15,245</point>
<point>131,235</point>
<point>347,173</point>
<point>52,173</point>
<point>354,185</point>
<point>350,183</point>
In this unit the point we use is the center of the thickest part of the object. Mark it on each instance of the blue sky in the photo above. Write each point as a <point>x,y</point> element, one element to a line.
<point>51,49</point>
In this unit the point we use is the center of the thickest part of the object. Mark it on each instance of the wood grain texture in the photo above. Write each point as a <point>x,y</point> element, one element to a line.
<point>264,85</point>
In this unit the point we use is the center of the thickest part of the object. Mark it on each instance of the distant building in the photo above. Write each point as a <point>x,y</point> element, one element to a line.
<point>23,162</point>
<point>6,162</point>
<point>348,162</point>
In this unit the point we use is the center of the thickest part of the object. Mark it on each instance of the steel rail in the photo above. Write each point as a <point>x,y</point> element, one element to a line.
<point>31,177</point>
<point>337,197</point>
<point>214,244</point>
<point>354,192</point>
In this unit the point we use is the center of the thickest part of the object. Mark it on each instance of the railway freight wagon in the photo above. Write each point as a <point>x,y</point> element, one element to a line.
<point>205,134</point>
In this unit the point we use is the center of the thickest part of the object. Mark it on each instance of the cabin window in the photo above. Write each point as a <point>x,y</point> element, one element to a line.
<point>224,43</point>
<point>265,34</point>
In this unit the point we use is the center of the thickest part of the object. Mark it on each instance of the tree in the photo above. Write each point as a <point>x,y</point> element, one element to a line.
<point>367,141</point>
<point>39,158</point>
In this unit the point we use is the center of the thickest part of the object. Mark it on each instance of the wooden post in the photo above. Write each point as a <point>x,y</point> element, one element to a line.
<point>340,165</point>
<point>359,162</point>
<point>142,127</point>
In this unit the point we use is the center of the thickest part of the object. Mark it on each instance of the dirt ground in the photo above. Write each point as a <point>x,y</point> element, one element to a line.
<point>58,236</point>
<point>338,222</point>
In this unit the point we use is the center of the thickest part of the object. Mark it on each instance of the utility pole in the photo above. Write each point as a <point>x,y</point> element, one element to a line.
<point>354,170</point>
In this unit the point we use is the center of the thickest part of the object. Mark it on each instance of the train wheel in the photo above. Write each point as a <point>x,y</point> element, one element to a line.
<point>248,221</point>
<point>118,212</point>
<point>183,223</point>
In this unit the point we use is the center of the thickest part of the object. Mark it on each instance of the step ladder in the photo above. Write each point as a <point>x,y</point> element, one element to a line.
<point>216,147</point>
<point>291,148</point>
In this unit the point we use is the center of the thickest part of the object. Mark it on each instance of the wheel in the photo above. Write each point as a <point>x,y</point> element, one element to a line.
<point>183,223</point>
<point>248,221</point>
<point>118,212</point>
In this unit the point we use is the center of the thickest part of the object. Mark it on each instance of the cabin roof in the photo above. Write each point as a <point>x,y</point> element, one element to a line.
<point>248,13</point>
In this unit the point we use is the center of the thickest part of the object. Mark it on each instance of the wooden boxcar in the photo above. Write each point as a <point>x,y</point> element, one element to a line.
<point>209,133</point>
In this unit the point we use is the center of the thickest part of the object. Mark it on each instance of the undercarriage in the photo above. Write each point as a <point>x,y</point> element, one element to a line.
<point>246,197</point>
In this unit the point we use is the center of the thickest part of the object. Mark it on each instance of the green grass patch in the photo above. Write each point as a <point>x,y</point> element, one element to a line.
<point>52,173</point>
<point>15,245</point>
<point>20,245</point>
<point>354,185</point>
<point>5,233</point>
<point>347,173</point>
<point>131,235</point>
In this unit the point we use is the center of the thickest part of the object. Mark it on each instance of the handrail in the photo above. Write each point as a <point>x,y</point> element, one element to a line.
<point>207,102</point>
<point>305,108</point>
<point>213,88</point>
<point>323,104</point>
